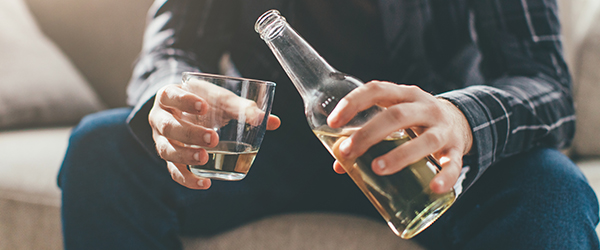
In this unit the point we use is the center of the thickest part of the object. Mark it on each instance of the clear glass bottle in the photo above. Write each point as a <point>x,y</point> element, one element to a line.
<point>404,199</point>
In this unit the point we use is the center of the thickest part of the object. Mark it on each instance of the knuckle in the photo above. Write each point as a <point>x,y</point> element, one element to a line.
<point>434,110</point>
<point>188,133</point>
<point>360,142</point>
<point>375,86</point>
<point>397,113</point>
<point>413,89</point>
<point>398,156</point>
<point>174,174</point>
<point>434,139</point>
<point>171,93</point>
<point>163,93</point>
<point>252,104</point>
<point>360,135</point>
<point>162,150</point>
<point>180,96</point>
<point>458,164</point>
<point>166,126</point>
<point>152,116</point>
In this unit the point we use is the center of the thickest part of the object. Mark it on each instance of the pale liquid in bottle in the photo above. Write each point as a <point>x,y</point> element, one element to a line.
<point>404,199</point>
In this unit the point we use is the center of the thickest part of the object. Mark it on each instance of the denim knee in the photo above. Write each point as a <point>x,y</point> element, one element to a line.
<point>114,194</point>
<point>547,198</point>
<point>97,127</point>
<point>95,138</point>
<point>535,200</point>
<point>564,185</point>
<point>555,175</point>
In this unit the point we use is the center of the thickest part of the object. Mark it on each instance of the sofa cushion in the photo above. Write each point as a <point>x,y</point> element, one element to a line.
<point>38,84</point>
<point>25,226</point>
<point>581,40</point>
<point>322,231</point>
<point>29,196</point>
<point>587,91</point>
<point>109,31</point>
<point>29,164</point>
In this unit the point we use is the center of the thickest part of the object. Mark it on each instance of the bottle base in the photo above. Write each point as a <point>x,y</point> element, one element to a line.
<point>424,219</point>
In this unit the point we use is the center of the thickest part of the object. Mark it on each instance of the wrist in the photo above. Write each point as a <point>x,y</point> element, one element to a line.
<point>461,123</point>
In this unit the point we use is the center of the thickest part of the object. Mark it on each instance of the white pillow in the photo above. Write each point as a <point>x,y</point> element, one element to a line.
<point>38,84</point>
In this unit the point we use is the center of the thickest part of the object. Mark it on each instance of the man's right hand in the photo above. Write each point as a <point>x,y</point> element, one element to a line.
<point>177,138</point>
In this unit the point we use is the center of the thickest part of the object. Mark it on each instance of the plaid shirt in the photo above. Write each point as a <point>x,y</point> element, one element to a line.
<point>515,93</point>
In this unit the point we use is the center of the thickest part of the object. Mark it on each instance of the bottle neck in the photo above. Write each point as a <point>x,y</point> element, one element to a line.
<point>303,65</point>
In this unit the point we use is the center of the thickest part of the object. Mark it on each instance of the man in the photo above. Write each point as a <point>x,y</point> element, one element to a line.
<point>502,106</point>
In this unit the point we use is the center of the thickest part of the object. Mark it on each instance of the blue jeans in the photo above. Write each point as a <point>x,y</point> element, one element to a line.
<point>115,195</point>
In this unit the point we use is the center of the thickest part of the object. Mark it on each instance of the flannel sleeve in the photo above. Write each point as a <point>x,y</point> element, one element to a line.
<point>526,100</point>
<point>180,35</point>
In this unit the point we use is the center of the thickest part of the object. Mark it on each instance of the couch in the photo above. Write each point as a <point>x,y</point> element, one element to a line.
<point>62,59</point>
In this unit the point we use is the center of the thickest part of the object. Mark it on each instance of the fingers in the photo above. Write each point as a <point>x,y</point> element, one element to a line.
<point>166,124</point>
<point>171,133</point>
<point>183,176</point>
<point>407,153</point>
<point>172,104</point>
<point>174,97</point>
<point>337,167</point>
<point>176,152</point>
<point>223,105</point>
<point>402,115</point>
<point>451,167</point>
<point>273,122</point>
<point>383,94</point>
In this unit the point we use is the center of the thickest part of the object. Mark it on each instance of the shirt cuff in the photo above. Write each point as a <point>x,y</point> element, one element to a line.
<point>478,115</point>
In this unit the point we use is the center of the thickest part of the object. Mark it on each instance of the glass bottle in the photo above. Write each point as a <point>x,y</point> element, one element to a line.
<point>404,199</point>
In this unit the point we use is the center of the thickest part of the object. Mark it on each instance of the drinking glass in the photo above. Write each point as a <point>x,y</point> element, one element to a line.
<point>238,109</point>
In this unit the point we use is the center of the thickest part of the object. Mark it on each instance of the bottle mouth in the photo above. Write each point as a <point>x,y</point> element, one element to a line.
<point>270,24</point>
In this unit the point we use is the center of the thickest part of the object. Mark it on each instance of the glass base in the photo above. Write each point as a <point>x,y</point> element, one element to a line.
<point>424,219</point>
<point>217,175</point>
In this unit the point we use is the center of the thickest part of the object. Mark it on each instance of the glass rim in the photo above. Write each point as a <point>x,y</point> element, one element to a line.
<point>209,75</point>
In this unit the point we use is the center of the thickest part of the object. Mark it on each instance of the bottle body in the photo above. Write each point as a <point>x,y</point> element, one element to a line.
<point>403,199</point>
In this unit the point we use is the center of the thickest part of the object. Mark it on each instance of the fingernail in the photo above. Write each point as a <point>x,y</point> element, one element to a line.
<point>197,156</point>
<point>381,164</point>
<point>201,183</point>
<point>198,106</point>
<point>333,116</point>
<point>341,105</point>
<point>207,138</point>
<point>345,147</point>
<point>440,183</point>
